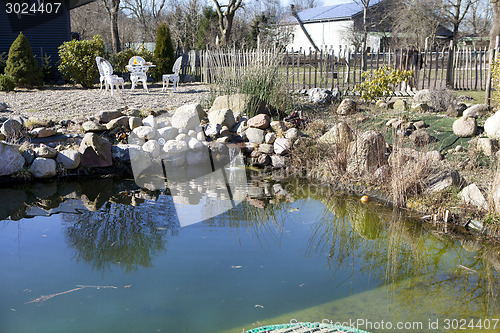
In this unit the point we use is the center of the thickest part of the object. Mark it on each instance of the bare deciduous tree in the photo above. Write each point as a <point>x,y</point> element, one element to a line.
<point>226,17</point>
<point>455,12</point>
<point>148,13</point>
<point>305,4</point>
<point>479,18</point>
<point>113,9</point>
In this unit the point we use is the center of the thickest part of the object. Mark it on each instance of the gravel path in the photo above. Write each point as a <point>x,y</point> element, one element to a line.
<point>69,102</point>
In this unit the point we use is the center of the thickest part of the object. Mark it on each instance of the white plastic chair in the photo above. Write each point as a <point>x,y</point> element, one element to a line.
<point>175,77</point>
<point>137,68</point>
<point>107,77</point>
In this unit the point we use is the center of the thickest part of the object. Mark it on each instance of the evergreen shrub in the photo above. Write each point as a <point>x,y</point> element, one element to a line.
<point>22,65</point>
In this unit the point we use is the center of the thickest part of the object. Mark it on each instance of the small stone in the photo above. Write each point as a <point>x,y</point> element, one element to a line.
<point>261,121</point>
<point>434,156</point>
<point>182,137</point>
<point>269,138</point>
<point>421,138</point>
<point>278,127</point>
<point>3,107</point>
<point>420,107</point>
<point>471,195</point>
<point>29,155</point>
<point>282,146</point>
<point>107,116</point>
<point>420,124</point>
<point>255,135</point>
<point>292,134</point>
<point>194,144</point>
<point>12,161</point>
<point>224,117</point>
<point>213,129</point>
<point>477,111</point>
<point>266,148</point>
<point>11,128</point>
<point>278,161</point>
<point>399,104</point>
<point>45,152</point>
<point>459,149</point>
<point>488,146</point>
<point>346,107</point>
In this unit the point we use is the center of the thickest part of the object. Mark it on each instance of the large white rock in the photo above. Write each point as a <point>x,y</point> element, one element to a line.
<point>173,147</point>
<point>471,195</point>
<point>339,133</point>
<point>70,159</point>
<point>224,117</point>
<point>11,160</point>
<point>194,144</point>
<point>152,147</point>
<point>11,128</point>
<point>187,116</point>
<point>150,121</point>
<point>145,132</point>
<point>43,167</point>
<point>168,133</point>
<point>492,126</point>
<point>476,111</point>
<point>465,127</point>
<point>367,154</point>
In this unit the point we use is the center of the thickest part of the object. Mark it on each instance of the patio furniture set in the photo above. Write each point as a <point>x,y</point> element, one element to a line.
<point>138,68</point>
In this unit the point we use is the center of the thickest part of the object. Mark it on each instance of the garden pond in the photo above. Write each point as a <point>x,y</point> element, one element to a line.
<point>105,256</point>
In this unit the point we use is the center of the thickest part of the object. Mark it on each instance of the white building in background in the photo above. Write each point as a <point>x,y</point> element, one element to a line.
<point>333,27</point>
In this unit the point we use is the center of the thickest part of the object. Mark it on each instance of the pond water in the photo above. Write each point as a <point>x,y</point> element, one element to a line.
<point>103,256</point>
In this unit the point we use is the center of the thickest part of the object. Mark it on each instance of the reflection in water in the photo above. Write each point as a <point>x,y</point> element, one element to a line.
<point>421,270</point>
<point>119,234</point>
<point>425,270</point>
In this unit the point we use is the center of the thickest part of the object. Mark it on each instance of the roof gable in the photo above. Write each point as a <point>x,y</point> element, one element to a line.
<point>331,13</point>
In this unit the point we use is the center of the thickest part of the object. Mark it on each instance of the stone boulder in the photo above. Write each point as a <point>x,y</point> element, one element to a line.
<point>43,167</point>
<point>11,128</point>
<point>144,132</point>
<point>188,116</point>
<point>346,107</point>
<point>118,122</point>
<point>399,104</point>
<point>421,138</point>
<point>292,134</point>
<point>45,152</point>
<point>153,148</point>
<point>266,148</point>
<point>168,133</point>
<point>465,127</point>
<point>224,117</point>
<point>70,159</point>
<point>90,126</point>
<point>240,104</point>
<point>492,126</point>
<point>420,107</point>
<point>367,154</point>
<point>477,110</point>
<point>106,116</point>
<point>488,146</point>
<point>255,135</point>
<point>150,121</point>
<point>282,146</point>
<point>278,126</point>
<point>261,121</point>
<point>339,133</point>
<point>321,96</point>
<point>439,180</point>
<point>471,195</point>
<point>43,132</point>
<point>456,111</point>
<point>12,160</point>
<point>3,107</point>
<point>134,122</point>
<point>95,151</point>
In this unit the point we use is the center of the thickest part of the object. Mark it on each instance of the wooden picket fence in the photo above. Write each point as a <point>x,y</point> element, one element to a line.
<point>463,68</point>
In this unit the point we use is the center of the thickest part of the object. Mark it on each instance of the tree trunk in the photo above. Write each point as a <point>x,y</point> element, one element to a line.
<point>365,37</point>
<point>494,33</point>
<point>115,38</point>
<point>227,30</point>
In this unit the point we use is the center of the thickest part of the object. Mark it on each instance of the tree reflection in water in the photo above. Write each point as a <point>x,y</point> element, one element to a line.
<point>424,269</point>
<point>121,235</point>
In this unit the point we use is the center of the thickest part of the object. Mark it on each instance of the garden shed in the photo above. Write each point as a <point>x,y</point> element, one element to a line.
<point>46,24</point>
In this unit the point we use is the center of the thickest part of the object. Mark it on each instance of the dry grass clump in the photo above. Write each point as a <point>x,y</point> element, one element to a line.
<point>409,170</point>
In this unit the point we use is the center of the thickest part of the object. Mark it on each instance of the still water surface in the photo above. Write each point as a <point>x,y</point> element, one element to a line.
<point>307,256</point>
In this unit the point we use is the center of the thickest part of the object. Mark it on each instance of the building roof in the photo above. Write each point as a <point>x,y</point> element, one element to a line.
<point>77,3</point>
<point>330,13</point>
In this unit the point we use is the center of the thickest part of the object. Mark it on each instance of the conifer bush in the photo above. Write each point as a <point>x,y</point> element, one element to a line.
<point>164,51</point>
<point>22,65</point>
<point>6,83</point>
<point>78,63</point>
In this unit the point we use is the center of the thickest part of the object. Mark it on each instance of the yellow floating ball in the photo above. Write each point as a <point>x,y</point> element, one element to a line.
<point>365,199</point>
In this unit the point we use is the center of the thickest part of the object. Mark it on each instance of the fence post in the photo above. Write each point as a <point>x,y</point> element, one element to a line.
<point>491,56</point>
<point>449,68</point>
